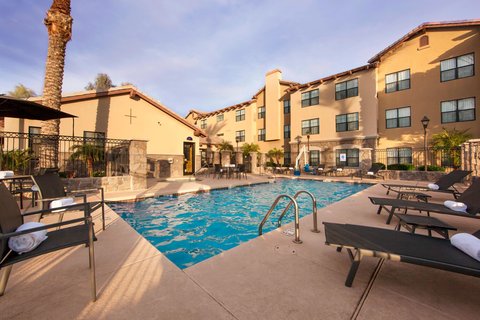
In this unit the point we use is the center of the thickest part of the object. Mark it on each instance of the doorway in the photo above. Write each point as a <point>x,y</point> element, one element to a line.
<point>189,158</point>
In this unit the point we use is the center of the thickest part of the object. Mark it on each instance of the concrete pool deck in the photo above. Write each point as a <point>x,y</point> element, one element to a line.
<point>268,277</point>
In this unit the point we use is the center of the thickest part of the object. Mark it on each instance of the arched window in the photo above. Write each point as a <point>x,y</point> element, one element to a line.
<point>423,41</point>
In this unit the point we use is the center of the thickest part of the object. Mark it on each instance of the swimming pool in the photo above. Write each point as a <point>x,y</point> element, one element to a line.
<point>190,228</point>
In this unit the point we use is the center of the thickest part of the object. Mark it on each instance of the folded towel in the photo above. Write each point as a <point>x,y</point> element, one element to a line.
<point>35,188</point>
<point>27,242</point>
<point>6,174</point>
<point>320,169</point>
<point>339,169</point>
<point>61,203</point>
<point>370,173</point>
<point>455,206</point>
<point>433,186</point>
<point>467,243</point>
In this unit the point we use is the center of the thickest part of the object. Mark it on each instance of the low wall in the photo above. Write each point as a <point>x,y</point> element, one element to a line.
<point>109,184</point>
<point>411,175</point>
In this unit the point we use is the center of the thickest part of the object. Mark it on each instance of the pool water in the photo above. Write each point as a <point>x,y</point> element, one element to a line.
<point>190,228</point>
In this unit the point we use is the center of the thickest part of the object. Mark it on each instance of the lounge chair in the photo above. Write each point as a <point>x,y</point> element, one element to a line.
<point>470,197</point>
<point>445,184</point>
<point>362,241</point>
<point>372,172</point>
<point>73,233</point>
<point>50,188</point>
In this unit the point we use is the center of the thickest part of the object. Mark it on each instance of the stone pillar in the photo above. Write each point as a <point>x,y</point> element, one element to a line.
<point>226,158</point>
<point>365,158</point>
<point>137,154</point>
<point>253,157</point>
<point>216,157</point>
<point>239,157</point>
<point>262,164</point>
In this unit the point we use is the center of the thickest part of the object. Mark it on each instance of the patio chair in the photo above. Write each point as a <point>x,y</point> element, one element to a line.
<point>240,171</point>
<point>218,171</point>
<point>362,241</point>
<point>74,232</point>
<point>445,184</point>
<point>50,188</point>
<point>371,173</point>
<point>470,197</point>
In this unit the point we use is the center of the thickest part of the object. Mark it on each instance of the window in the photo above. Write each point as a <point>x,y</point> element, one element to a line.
<point>240,115</point>
<point>314,157</point>
<point>397,118</point>
<point>456,68</point>
<point>34,141</point>
<point>286,131</point>
<point>203,124</point>
<point>399,155</point>
<point>310,98</point>
<point>287,158</point>
<point>346,89</point>
<point>240,136</point>
<point>98,138</point>
<point>347,157</point>
<point>347,122</point>
<point>458,110</point>
<point>310,126</point>
<point>423,41</point>
<point>286,106</point>
<point>261,112</point>
<point>261,134</point>
<point>220,117</point>
<point>397,81</point>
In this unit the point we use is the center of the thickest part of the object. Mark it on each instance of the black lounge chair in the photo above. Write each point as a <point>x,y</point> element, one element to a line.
<point>362,241</point>
<point>470,197</point>
<point>73,233</point>
<point>446,183</point>
<point>372,172</point>
<point>51,187</point>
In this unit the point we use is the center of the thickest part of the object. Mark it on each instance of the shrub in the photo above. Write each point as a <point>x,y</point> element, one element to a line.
<point>431,168</point>
<point>381,165</point>
<point>401,166</point>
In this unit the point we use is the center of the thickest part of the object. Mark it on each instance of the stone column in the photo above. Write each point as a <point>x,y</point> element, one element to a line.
<point>226,158</point>
<point>216,157</point>
<point>253,157</point>
<point>365,158</point>
<point>262,163</point>
<point>239,157</point>
<point>137,153</point>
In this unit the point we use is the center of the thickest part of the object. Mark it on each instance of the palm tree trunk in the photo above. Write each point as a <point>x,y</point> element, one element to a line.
<point>59,25</point>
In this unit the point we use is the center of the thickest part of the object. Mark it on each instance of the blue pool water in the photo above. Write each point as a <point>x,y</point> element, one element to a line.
<point>190,228</point>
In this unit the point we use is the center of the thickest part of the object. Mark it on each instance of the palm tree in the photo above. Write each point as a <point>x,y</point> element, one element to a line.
<point>276,154</point>
<point>448,142</point>
<point>250,147</point>
<point>225,146</point>
<point>90,153</point>
<point>59,25</point>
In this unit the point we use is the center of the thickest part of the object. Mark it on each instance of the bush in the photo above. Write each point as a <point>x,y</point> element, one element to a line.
<point>381,165</point>
<point>271,164</point>
<point>401,166</point>
<point>431,168</point>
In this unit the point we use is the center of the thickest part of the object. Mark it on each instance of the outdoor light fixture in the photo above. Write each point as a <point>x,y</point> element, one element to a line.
<point>425,120</point>
<point>308,141</point>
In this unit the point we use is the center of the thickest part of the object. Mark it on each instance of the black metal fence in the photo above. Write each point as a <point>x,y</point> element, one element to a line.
<point>415,158</point>
<point>25,153</point>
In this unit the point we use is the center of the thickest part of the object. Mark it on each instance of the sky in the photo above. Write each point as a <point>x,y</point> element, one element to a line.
<point>209,54</point>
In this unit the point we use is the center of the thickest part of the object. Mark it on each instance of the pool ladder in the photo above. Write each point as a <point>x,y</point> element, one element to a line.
<point>295,209</point>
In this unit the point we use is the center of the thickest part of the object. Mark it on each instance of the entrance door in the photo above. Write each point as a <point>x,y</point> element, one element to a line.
<point>189,158</point>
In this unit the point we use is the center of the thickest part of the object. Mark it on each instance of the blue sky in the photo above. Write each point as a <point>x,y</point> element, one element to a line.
<point>209,54</point>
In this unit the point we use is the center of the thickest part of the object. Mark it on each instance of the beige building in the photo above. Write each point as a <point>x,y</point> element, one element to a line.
<point>127,113</point>
<point>370,113</point>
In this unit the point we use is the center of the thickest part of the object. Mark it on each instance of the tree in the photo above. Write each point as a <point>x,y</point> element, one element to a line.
<point>22,92</point>
<point>102,83</point>
<point>448,142</point>
<point>250,147</point>
<point>90,153</point>
<point>276,154</point>
<point>59,25</point>
<point>225,146</point>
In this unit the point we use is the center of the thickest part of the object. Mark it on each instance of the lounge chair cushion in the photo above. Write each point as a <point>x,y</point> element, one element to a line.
<point>29,241</point>
<point>433,186</point>
<point>467,243</point>
<point>456,206</point>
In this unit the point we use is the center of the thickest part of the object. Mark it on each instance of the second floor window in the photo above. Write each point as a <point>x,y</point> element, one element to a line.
<point>311,126</point>
<point>203,124</point>
<point>286,131</point>
<point>397,81</point>
<point>240,135</point>
<point>286,106</point>
<point>240,115</point>
<point>397,118</point>
<point>310,98</point>
<point>456,68</point>
<point>399,155</point>
<point>220,117</point>
<point>261,134</point>
<point>261,112</point>
<point>347,122</point>
<point>458,110</point>
<point>346,89</point>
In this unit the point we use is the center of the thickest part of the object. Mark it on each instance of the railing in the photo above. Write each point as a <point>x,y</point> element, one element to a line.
<point>314,209</point>
<point>23,153</point>
<point>447,158</point>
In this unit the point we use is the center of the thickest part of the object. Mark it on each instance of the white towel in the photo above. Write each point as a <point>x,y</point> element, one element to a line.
<point>35,188</point>
<point>339,169</point>
<point>370,173</point>
<point>6,174</point>
<point>455,206</point>
<point>61,203</point>
<point>468,244</point>
<point>433,186</point>
<point>27,242</point>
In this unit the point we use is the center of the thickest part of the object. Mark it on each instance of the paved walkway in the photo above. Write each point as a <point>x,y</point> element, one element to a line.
<point>269,277</point>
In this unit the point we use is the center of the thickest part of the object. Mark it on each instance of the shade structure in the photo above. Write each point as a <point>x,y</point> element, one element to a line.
<point>24,109</point>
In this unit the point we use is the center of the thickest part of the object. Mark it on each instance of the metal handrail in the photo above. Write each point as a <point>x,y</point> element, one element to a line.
<point>297,220</point>
<point>314,210</point>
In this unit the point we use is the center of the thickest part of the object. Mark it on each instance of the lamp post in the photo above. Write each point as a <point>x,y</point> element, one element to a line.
<point>425,122</point>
